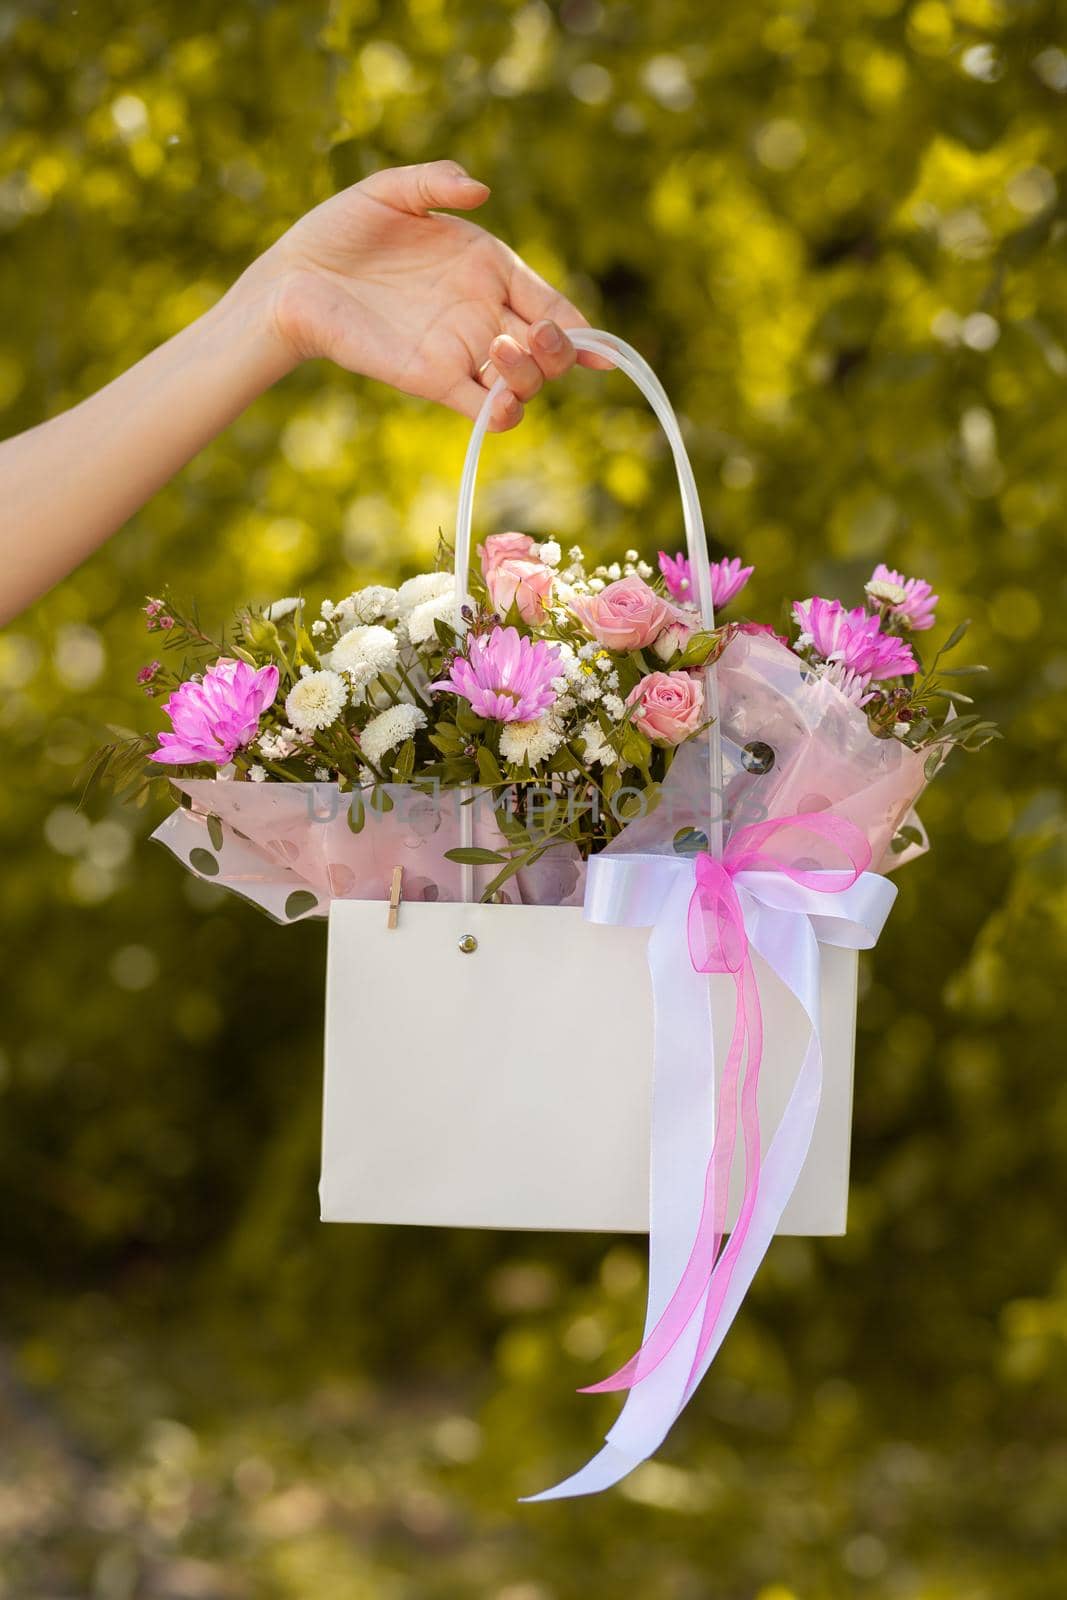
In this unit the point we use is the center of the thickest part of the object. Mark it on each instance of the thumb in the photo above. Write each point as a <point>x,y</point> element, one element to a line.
<point>417,189</point>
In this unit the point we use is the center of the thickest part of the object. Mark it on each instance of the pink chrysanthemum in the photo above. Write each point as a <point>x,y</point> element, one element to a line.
<point>506,677</point>
<point>728,578</point>
<point>916,610</point>
<point>853,685</point>
<point>215,717</point>
<point>854,638</point>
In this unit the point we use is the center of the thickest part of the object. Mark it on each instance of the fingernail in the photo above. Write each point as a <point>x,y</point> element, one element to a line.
<point>507,354</point>
<point>509,405</point>
<point>548,336</point>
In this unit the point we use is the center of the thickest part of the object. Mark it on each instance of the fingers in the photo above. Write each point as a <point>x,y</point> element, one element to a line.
<point>550,354</point>
<point>536,301</point>
<point>468,397</point>
<point>420,188</point>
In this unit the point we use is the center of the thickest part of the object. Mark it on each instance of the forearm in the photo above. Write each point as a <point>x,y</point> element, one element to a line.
<point>66,485</point>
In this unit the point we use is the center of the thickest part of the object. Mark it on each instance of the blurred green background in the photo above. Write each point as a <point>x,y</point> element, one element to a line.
<point>837,231</point>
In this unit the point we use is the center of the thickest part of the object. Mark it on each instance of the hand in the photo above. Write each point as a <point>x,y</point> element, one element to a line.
<point>377,281</point>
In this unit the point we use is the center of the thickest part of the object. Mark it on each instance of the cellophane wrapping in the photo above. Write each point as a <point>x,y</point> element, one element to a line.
<point>791,743</point>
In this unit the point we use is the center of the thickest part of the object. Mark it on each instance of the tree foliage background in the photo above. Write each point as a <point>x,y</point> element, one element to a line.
<point>837,231</point>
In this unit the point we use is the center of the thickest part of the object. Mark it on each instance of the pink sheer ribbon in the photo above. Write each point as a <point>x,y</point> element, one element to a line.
<point>718,942</point>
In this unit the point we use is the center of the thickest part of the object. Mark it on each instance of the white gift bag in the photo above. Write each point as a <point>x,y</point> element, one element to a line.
<point>492,1065</point>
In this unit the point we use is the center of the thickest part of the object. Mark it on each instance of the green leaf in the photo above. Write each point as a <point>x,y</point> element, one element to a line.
<point>300,902</point>
<point>214,829</point>
<point>905,836</point>
<point>954,637</point>
<point>356,816</point>
<point>204,862</point>
<point>468,721</point>
<point>513,866</point>
<point>445,632</point>
<point>475,856</point>
<point>931,764</point>
<point>488,767</point>
<point>964,672</point>
<point>447,738</point>
<point>404,765</point>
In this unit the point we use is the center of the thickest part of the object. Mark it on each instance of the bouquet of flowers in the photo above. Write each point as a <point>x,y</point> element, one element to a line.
<point>560,707</point>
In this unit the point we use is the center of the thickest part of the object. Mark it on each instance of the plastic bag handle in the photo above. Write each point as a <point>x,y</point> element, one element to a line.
<point>628,360</point>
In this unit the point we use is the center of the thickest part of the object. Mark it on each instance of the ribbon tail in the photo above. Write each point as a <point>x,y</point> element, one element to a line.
<point>683,1086</point>
<point>609,1466</point>
<point>711,1227</point>
<point>749,1000</point>
<point>788,946</point>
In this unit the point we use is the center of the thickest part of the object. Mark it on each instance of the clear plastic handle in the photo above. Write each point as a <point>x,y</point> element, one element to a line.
<point>630,361</point>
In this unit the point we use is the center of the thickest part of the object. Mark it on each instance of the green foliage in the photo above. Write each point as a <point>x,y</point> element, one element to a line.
<point>836,231</point>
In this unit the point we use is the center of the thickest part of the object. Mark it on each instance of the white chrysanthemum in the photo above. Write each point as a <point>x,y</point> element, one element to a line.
<point>388,729</point>
<point>426,586</point>
<point>530,741</point>
<point>377,600</point>
<point>274,746</point>
<point>438,608</point>
<point>283,608</point>
<point>596,746</point>
<point>364,653</point>
<point>315,701</point>
<point>550,553</point>
<point>615,707</point>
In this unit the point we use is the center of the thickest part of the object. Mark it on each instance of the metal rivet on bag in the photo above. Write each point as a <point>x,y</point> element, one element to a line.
<point>757,757</point>
<point>468,943</point>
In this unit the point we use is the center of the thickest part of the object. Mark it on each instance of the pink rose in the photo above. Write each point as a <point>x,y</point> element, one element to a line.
<point>669,706</point>
<point>501,547</point>
<point>626,615</point>
<point>527,584</point>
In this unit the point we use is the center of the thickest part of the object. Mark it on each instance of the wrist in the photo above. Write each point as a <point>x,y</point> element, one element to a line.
<point>248,317</point>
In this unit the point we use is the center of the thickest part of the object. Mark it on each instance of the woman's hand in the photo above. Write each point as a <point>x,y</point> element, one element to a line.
<point>380,282</point>
<point>373,279</point>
